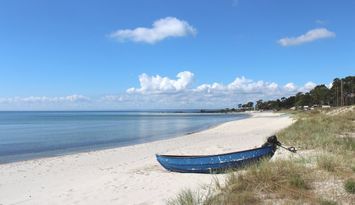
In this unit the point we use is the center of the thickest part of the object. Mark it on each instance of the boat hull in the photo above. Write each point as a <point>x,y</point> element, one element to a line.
<point>215,163</point>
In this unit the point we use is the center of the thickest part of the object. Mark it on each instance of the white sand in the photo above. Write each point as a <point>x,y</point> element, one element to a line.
<point>128,175</point>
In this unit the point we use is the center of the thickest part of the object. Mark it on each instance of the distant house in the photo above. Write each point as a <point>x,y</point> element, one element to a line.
<point>293,108</point>
<point>326,106</point>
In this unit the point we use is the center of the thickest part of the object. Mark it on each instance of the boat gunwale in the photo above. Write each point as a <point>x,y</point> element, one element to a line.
<point>214,155</point>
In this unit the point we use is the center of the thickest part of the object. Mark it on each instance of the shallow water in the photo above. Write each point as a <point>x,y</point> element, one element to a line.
<point>28,135</point>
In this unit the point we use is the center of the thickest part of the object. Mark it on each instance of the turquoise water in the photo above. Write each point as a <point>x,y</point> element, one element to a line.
<point>28,135</point>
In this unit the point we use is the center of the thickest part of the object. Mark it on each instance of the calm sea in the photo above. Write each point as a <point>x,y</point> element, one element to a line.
<point>28,135</point>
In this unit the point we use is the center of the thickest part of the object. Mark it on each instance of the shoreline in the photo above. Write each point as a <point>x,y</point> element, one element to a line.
<point>119,175</point>
<point>98,147</point>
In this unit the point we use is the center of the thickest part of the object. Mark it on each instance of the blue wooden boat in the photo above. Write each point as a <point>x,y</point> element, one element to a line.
<point>220,162</point>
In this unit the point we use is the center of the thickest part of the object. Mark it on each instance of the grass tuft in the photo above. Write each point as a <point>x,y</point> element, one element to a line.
<point>298,182</point>
<point>349,186</point>
<point>327,202</point>
<point>186,197</point>
<point>327,163</point>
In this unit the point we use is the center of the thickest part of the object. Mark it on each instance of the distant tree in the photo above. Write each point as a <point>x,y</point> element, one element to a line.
<point>349,90</point>
<point>298,99</point>
<point>343,91</point>
<point>276,105</point>
<point>288,102</point>
<point>248,106</point>
<point>259,105</point>
<point>307,100</point>
<point>320,95</point>
<point>335,92</point>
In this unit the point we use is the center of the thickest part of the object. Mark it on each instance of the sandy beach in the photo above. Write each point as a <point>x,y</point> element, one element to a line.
<point>128,175</point>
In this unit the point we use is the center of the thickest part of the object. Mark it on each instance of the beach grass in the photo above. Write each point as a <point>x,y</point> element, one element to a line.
<point>266,181</point>
<point>327,162</point>
<point>327,202</point>
<point>293,181</point>
<point>350,186</point>
<point>186,197</point>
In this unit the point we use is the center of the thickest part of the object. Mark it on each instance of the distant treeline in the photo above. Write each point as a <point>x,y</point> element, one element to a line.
<point>341,93</point>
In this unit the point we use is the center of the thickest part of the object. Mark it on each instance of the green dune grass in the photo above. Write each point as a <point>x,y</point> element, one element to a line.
<point>294,181</point>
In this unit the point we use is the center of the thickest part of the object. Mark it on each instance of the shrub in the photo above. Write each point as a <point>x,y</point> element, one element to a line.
<point>349,186</point>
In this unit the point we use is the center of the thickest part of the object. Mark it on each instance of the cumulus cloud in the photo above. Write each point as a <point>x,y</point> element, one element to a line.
<point>310,36</point>
<point>157,84</point>
<point>161,92</point>
<point>182,85</point>
<point>240,85</point>
<point>160,30</point>
<point>310,85</point>
<point>290,87</point>
<point>164,85</point>
<point>307,87</point>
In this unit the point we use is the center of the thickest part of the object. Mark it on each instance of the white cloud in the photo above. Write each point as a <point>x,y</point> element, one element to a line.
<point>182,85</point>
<point>310,36</point>
<point>239,85</point>
<point>112,98</point>
<point>272,86</point>
<point>307,87</point>
<point>164,85</point>
<point>290,87</point>
<point>330,85</point>
<point>161,29</point>
<point>157,84</point>
<point>45,99</point>
<point>163,92</point>
<point>310,85</point>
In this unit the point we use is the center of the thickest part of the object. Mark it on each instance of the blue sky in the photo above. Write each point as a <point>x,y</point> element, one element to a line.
<point>88,54</point>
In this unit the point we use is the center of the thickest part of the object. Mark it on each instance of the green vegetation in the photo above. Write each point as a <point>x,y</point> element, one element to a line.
<point>341,93</point>
<point>350,186</point>
<point>327,202</point>
<point>186,197</point>
<point>317,130</point>
<point>328,137</point>
<point>282,178</point>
